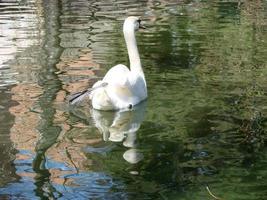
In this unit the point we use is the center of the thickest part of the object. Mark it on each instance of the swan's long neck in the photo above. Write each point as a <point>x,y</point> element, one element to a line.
<point>135,62</point>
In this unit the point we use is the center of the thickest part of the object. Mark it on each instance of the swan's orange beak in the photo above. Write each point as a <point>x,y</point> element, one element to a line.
<point>142,26</point>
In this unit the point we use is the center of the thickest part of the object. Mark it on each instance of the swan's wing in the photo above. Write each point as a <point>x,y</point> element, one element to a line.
<point>119,85</point>
<point>79,96</point>
<point>117,75</point>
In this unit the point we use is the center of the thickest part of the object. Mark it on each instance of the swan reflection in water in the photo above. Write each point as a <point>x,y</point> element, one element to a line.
<point>121,126</point>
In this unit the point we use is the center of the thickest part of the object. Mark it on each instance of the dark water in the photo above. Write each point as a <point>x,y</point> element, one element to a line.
<point>201,133</point>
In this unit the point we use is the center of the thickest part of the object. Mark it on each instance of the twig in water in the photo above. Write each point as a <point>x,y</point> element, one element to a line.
<point>210,193</point>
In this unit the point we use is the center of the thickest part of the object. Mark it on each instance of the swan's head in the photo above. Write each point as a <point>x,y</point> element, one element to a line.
<point>132,23</point>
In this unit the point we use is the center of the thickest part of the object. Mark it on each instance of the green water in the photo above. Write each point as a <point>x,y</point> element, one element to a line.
<point>201,133</point>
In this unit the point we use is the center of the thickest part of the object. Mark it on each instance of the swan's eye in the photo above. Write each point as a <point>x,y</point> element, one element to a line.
<point>137,24</point>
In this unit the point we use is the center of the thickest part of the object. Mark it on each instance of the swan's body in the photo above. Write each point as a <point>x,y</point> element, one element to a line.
<point>121,87</point>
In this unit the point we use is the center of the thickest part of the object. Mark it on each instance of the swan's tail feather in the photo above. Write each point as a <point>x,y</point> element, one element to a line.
<point>79,96</point>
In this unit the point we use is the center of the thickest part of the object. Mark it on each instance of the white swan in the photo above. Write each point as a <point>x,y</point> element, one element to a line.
<point>120,88</point>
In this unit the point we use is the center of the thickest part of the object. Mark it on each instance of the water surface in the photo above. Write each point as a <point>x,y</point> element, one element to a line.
<point>202,131</point>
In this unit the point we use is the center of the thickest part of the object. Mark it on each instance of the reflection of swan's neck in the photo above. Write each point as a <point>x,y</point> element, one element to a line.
<point>135,62</point>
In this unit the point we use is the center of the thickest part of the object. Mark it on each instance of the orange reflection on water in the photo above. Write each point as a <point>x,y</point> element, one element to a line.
<point>66,149</point>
